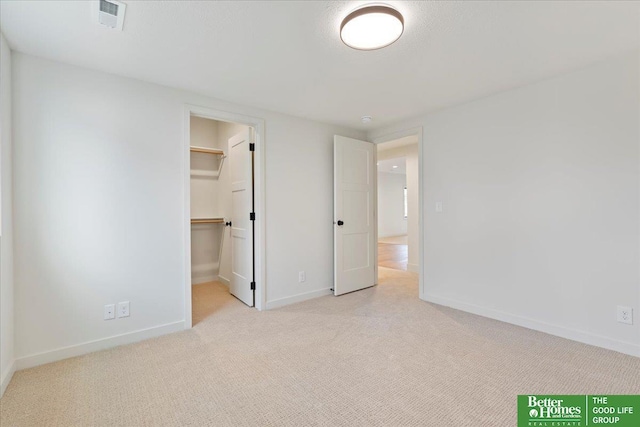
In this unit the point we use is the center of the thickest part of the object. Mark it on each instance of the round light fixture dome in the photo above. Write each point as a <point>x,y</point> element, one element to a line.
<point>372,27</point>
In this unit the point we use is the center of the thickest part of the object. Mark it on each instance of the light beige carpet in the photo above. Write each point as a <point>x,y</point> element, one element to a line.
<point>394,240</point>
<point>378,357</point>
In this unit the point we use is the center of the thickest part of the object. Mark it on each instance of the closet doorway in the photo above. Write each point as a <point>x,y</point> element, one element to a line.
<point>221,253</point>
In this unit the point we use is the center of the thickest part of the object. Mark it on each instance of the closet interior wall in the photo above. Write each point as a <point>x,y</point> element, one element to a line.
<point>211,198</point>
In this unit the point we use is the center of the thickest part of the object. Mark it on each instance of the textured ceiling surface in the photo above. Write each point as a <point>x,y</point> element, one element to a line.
<point>287,56</point>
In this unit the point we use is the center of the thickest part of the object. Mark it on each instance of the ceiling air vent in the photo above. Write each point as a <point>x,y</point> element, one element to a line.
<point>111,13</point>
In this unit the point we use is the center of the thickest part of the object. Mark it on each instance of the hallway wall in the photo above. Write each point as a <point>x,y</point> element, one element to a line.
<point>391,220</point>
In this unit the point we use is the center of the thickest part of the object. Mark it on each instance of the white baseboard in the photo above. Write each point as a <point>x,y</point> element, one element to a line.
<point>204,268</point>
<point>414,268</point>
<point>559,331</point>
<point>224,280</point>
<point>96,345</point>
<point>6,377</point>
<point>297,298</point>
<point>204,279</point>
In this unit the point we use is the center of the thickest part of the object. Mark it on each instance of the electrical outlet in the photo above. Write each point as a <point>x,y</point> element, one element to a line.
<point>109,311</point>
<point>302,276</point>
<point>123,309</point>
<point>625,315</point>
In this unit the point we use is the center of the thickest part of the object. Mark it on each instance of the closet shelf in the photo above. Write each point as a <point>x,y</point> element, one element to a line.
<point>207,220</point>
<point>204,173</point>
<point>206,150</point>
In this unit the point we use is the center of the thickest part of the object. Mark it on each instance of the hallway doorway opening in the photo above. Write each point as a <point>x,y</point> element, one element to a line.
<point>397,194</point>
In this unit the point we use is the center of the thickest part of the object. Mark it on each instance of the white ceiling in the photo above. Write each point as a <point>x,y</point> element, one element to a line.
<point>388,165</point>
<point>287,56</point>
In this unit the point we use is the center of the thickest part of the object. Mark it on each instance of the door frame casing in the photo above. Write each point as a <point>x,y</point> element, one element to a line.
<point>387,137</point>
<point>258,125</point>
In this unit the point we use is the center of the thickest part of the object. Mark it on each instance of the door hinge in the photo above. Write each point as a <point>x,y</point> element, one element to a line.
<point>252,146</point>
<point>252,216</point>
<point>253,286</point>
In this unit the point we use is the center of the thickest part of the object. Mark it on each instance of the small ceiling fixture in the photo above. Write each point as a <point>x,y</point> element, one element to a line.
<point>372,27</point>
<point>366,119</point>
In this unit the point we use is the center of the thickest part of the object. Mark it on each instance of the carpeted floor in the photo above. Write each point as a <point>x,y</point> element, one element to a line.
<point>378,357</point>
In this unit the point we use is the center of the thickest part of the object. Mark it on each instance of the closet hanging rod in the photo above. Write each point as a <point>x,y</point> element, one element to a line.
<point>207,220</point>
<point>206,150</point>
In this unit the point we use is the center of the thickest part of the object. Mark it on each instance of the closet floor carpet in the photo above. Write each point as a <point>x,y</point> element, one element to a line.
<point>378,357</point>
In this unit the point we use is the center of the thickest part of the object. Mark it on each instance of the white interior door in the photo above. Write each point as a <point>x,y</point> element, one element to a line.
<point>241,172</point>
<point>353,204</point>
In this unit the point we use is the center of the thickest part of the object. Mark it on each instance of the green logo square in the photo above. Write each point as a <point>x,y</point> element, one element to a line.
<point>578,410</point>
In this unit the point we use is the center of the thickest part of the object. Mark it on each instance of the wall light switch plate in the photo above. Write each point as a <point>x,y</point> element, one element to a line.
<point>438,206</point>
<point>109,311</point>
<point>123,309</point>
<point>625,315</point>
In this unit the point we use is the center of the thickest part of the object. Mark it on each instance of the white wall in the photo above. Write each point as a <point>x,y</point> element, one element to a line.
<point>98,206</point>
<point>391,220</point>
<point>541,219</point>
<point>300,196</point>
<point>6,227</point>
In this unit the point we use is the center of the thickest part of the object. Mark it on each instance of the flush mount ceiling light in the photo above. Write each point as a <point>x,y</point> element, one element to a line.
<point>371,27</point>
